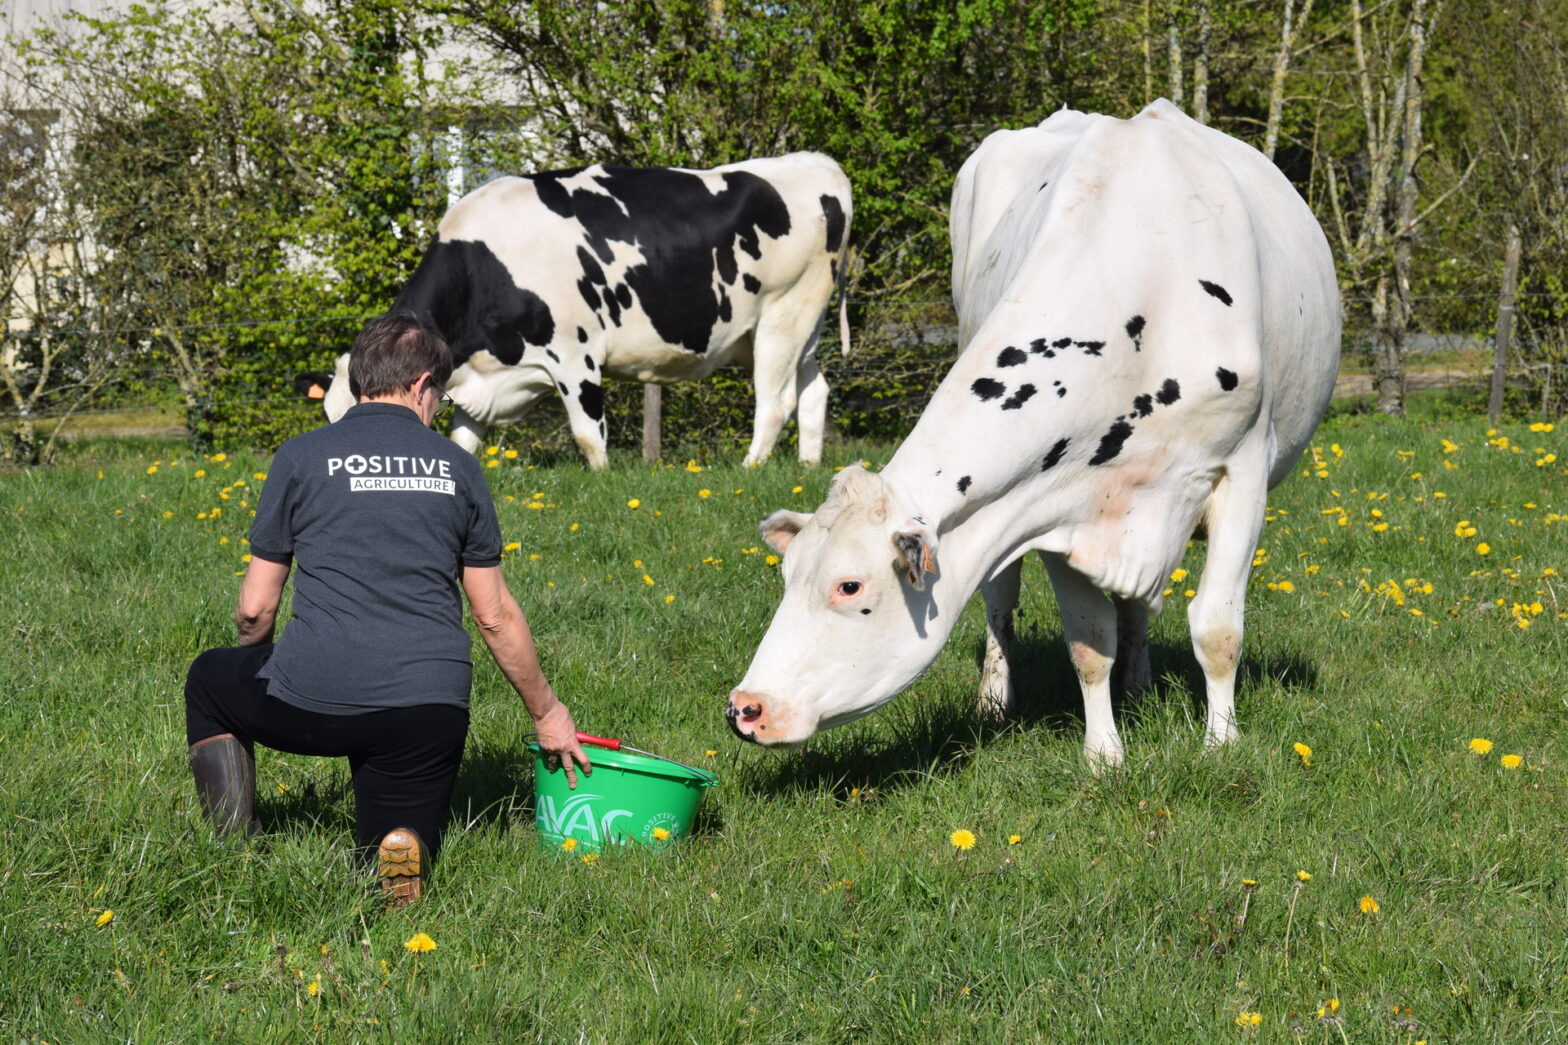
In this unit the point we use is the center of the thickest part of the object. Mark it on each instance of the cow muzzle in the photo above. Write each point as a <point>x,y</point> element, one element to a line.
<point>759,718</point>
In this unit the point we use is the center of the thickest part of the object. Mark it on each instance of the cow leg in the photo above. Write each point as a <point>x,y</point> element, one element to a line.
<point>779,351</point>
<point>811,411</point>
<point>1089,626</point>
<point>996,681</point>
<point>467,432</point>
<point>1131,674</point>
<point>1234,518</point>
<point>585,414</point>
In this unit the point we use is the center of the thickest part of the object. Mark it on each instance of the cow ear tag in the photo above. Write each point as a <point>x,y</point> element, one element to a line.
<point>916,556</point>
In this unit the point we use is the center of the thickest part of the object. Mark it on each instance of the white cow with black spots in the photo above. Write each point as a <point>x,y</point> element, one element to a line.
<point>551,282</point>
<point>1151,331</point>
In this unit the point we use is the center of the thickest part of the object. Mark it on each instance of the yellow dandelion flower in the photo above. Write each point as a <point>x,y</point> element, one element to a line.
<point>1303,876</point>
<point>590,859</point>
<point>1286,586</point>
<point>219,457</point>
<point>796,489</point>
<point>647,580</point>
<point>314,987</point>
<point>511,546</point>
<point>660,834</point>
<point>704,493</point>
<point>574,527</point>
<point>1014,839</point>
<point>962,839</point>
<point>1481,746</point>
<point>492,463</point>
<point>1248,1019</point>
<point>709,753</point>
<point>105,918</point>
<point>634,503</point>
<point>1177,576</point>
<point>1304,752</point>
<point>772,560</point>
<point>510,455</point>
<point>693,467</point>
<point>1511,761</point>
<point>152,469</point>
<point>1483,549</point>
<point>419,943</point>
<point>669,599</point>
<point>1369,905</point>
<point>1250,883</point>
<point>168,515</point>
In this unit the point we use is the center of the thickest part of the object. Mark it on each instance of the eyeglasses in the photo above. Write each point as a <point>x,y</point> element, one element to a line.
<point>443,405</point>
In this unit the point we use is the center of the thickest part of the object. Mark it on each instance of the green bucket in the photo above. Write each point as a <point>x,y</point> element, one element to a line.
<point>631,797</point>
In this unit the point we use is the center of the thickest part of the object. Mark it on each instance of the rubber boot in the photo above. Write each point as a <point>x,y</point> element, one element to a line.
<point>225,773</point>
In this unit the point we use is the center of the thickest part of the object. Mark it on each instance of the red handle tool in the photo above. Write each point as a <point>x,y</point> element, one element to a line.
<point>588,738</point>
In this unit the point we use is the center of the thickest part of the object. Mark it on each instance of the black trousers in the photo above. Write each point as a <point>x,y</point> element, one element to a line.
<point>403,760</point>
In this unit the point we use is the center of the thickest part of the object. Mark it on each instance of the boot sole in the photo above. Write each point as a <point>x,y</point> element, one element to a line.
<point>399,867</point>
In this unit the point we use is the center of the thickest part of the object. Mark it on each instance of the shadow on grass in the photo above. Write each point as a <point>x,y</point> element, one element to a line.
<point>936,735</point>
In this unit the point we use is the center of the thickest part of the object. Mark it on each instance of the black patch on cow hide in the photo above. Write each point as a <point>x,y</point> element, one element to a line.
<point>582,336</point>
<point>1227,379</point>
<point>472,300</point>
<point>1169,392</point>
<point>1135,331</point>
<point>682,235</point>
<point>987,389</point>
<point>564,390</point>
<point>963,484</point>
<point>591,395</point>
<point>1019,398</point>
<point>1215,290</point>
<point>724,307</point>
<point>1061,342</point>
<point>553,357</point>
<point>589,363</point>
<point>865,613</point>
<point>1090,348</point>
<point>1111,442</point>
<point>1011,356</point>
<point>751,283</point>
<point>1143,405</point>
<point>1054,458</point>
<point>834,212</point>
<point>1040,346</point>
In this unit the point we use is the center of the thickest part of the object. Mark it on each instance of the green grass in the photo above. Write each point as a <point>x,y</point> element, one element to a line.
<point>820,899</point>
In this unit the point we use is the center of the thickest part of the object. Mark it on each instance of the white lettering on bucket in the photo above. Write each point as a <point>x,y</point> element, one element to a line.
<point>575,814</point>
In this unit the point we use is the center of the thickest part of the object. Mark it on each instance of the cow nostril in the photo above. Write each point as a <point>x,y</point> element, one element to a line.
<point>751,710</point>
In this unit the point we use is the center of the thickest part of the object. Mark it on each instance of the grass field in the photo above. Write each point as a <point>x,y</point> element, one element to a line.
<point>1395,885</point>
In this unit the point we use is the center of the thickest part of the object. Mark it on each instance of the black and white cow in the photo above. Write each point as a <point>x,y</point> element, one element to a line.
<point>1151,325</point>
<point>553,282</point>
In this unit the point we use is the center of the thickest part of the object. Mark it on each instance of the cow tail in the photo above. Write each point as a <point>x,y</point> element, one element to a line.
<point>843,306</point>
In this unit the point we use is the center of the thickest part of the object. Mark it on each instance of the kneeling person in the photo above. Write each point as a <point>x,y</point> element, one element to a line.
<point>385,520</point>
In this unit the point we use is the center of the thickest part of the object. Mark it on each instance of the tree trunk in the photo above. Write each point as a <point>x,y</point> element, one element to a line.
<point>1173,50</point>
<point>1388,325</point>
<point>1200,66</point>
<point>1290,28</point>
<point>24,442</point>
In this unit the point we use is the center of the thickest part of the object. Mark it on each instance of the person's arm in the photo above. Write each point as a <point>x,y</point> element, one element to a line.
<point>511,643</point>
<point>260,593</point>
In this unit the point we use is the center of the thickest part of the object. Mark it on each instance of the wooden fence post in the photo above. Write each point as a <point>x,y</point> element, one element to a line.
<point>1505,323</point>
<point>652,418</point>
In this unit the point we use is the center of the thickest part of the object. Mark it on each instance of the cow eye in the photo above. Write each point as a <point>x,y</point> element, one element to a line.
<point>849,589</point>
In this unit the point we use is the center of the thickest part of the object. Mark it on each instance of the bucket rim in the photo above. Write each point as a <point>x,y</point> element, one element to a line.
<point>654,765</point>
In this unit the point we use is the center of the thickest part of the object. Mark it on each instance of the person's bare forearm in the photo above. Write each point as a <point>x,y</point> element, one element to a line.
<point>511,643</point>
<point>255,627</point>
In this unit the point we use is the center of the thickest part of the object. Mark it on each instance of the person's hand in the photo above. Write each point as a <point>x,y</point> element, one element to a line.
<point>557,735</point>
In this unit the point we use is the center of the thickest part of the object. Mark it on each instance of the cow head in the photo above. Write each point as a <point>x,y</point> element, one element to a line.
<point>332,389</point>
<point>856,622</point>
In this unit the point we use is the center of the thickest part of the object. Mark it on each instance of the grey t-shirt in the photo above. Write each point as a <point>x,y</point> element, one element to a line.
<point>376,512</point>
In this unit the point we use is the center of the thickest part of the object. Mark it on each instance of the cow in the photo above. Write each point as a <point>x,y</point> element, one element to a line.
<point>552,282</point>
<point>1150,324</point>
